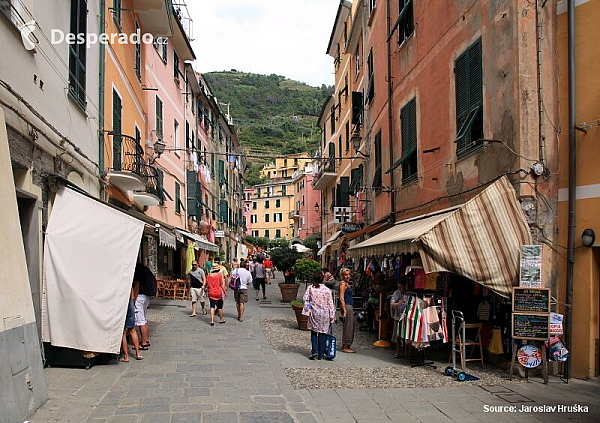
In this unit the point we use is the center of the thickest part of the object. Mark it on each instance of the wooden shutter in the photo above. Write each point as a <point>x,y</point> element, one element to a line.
<point>177,198</point>
<point>475,76</point>
<point>116,129</point>
<point>192,192</point>
<point>344,192</point>
<point>159,117</point>
<point>160,185</point>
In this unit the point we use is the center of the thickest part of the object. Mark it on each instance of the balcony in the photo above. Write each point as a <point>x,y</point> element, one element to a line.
<point>155,16</point>
<point>324,175</point>
<point>127,162</point>
<point>295,214</point>
<point>151,195</point>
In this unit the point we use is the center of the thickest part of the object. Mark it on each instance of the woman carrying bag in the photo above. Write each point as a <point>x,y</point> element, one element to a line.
<point>321,315</point>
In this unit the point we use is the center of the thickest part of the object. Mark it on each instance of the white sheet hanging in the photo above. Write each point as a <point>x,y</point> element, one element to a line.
<point>90,253</point>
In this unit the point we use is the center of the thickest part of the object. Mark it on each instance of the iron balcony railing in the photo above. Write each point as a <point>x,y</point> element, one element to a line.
<point>127,153</point>
<point>150,177</point>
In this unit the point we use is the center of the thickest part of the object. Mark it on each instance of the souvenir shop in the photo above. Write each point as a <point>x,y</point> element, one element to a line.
<point>465,258</point>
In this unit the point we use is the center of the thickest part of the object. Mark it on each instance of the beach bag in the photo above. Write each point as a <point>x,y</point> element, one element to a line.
<point>330,344</point>
<point>234,281</point>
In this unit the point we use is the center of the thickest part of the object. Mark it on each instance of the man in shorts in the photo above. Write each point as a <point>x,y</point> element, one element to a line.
<point>196,280</point>
<point>241,294</point>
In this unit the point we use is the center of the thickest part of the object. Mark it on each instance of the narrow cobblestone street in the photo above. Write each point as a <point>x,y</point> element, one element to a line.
<point>230,373</point>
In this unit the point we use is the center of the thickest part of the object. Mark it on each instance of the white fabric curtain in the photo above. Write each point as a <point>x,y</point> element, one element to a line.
<point>90,253</point>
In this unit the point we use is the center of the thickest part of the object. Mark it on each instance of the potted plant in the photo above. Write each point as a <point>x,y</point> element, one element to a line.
<point>300,318</point>
<point>284,259</point>
<point>306,268</point>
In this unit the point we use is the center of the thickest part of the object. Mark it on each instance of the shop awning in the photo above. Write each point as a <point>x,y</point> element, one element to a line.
<point>90,251</point>
<point>480,240</point>
<point>200,240</point>
<point>166,238</point>
<point>329,242</point>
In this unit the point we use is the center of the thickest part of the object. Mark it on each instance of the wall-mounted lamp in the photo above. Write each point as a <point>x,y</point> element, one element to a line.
<point>159,148</point>
<point>356,140</point>
<point>317,207</point>
<point>588,237</point>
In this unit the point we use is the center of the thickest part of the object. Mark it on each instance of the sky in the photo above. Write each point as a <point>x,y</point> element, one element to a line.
<point>287,38</point>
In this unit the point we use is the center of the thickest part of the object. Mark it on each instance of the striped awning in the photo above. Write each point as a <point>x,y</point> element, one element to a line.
<point>480,240</point>
<point>201,242</point>
<point>166,238</point>
<point>328,243</point>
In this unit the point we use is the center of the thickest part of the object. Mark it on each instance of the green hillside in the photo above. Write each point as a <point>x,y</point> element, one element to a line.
<point>274,115</point>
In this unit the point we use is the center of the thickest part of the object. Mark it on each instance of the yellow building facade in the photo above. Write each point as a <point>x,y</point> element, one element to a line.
<point>272,203</point>
<point>585,351</point>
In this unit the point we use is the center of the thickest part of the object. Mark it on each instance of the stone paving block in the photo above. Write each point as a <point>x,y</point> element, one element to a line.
<point>97,420</point>
<point>235,406</point>
<point>140,409</point>
<point>305,418</point>
<point>267,416</point>
<point>163,400</point>
<point>219,417</point>
<point>268,399</point>
<point>455,413</point>
<point>124,419</point>
<point>495,389</point>
<point>196,392</point>
<point>183,408</point>
<point>187,418</point>
<point>156,418</point>
<point>102,411</point>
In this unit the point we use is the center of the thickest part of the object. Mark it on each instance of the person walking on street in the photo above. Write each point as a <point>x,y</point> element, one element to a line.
<point>268,269</point>
<point>322,315</point>
<point>259,277</point>
<point>196,279</point>
<point>130,329</point>
<point>241,294</point>
<point>208,266</point>
<point>218,266</point>
<point>347,307</point>
<point>141,299</point>
<point>215,286</point>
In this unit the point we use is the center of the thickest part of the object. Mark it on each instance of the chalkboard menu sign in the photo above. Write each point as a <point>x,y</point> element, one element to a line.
<point>531,300</point>
<point>531,326</point>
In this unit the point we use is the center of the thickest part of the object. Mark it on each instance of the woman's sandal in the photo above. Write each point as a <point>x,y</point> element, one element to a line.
<point>124,359</point>
<point>139,357</point>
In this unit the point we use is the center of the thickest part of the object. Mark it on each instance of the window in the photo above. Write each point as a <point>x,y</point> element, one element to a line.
<point>347,135</point>
<point>267,204</point>
<point>371,86</point>
<point>254,205</point>
<point>357,60</point>
<point>408,121</point>
<point>255,233</point>
<point>405,21</point>
<point>469,99</point>
<point>267,233</point>
<point>254,218</point>
<point>377,180</point>
<point>116,130</point>
<point>283,190</point>
<point>159,118</point>
<point>176,71</point>
<point>277,233</point>
<point>372,5</point>
<point>267,217</point>
<point>161,186</point>
<point>295,162</point>
<point>340,147</point>
<point>77,53</point>
<point>278,217</point>
<point>160,44</point>
<point>332,120</point>
<point>187,136</point>
<point>138,55</point>
<point>175,134</point>
<point>277,203</point>
<point>177,198</point>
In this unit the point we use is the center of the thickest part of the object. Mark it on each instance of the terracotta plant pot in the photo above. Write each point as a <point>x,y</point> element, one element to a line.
<point>289,291</point>
<point>301,318</point>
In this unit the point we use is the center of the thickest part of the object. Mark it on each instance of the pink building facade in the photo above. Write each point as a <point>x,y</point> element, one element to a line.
<point>307,204</point>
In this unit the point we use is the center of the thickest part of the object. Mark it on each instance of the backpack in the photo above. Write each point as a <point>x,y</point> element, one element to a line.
<point>234,281</point>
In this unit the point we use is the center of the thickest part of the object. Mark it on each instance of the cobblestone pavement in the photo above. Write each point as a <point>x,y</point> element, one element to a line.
<point>231,373</point>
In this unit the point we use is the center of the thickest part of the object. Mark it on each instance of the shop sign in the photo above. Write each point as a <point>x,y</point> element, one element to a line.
<point>349,227</point>
<point>556,324</point>
<point>219,234</point>
<point>531,300</point>
<point>529,356</point>
<point>531,326</point>
<point>531,266</point>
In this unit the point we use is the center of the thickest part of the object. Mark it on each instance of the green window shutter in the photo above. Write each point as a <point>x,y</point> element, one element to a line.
<point>159,117</point>
<point>187,135</point>
<point>221,172</point>
<point>116,128</point>
<point>77,52</point>
<point>223,211</point>
<point>475,76</point>
<point>469,97</point>
<point>344,192</point>
<point>461,75</point>
<point>192,185</point>
<point>160,185</point>
<point>177,198</point>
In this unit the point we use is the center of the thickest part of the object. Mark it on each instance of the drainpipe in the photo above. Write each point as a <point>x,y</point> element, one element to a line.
<point>101,102</point>
<point>572,185</point>
<point>390,112</point>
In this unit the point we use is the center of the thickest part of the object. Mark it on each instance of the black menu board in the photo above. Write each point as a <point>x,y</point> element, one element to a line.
<point>531,326</point>
<point>531,300</point>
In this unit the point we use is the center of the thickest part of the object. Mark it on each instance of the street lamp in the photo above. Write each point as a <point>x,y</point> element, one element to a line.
<point>356,140</point>
<point>159,148</point>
